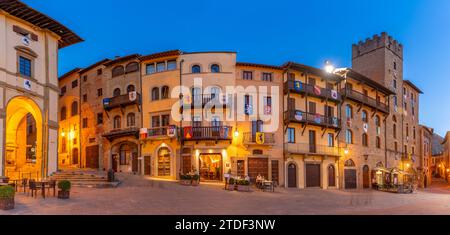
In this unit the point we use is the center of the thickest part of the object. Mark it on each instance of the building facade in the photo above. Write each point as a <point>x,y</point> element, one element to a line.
<point>171,113</point>
<point>29,91</point>
<point>425,158</point>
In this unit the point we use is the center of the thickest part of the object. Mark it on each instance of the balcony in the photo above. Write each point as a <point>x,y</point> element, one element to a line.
<point>366,100</point>
<point>308,149</point>
<point>121,101</point>
<point>118,133</point>
<point>200,101</point>
<point>213,133</point>
<point>251,139</point>
<point>297,116</point>
<point>298,87</point>
<point>160,133</point>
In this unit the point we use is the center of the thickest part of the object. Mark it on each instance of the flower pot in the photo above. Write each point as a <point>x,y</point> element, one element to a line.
<point>185,182</point>
<point>6,203</point>
<point>243,188</point>
<point>63,194</point>
<point>230,187</point>
<point>194,183</point>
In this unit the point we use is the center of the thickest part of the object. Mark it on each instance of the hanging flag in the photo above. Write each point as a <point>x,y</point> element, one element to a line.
<point>317,90</point>
<point>366,127</point>
<point>225,131</point>
<point>171,131</point>
<point>188,132</point>
<point>260,138</point>
<point>132,96</point>
<point>106,102</point>
<point>334,94</point>
<point>299,116</point>
<point>298,86</point>
<point>318,119</point>
<point>335,121</point>
<point>143,133</point>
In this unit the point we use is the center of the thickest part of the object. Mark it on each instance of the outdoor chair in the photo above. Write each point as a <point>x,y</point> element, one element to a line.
<point>52,185</point>
<point>33,188</point>
<point>24,185</point>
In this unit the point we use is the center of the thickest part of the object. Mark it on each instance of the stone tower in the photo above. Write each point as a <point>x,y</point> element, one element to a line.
<point>381,59</point>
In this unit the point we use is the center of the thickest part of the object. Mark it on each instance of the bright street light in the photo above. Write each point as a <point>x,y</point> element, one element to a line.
<point>329,68</point>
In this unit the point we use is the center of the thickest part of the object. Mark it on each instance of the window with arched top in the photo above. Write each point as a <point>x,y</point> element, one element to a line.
<point>130,88</point>
<point>378,142</point>
<point>155,93</point>
<point>117,122</point>
<point>132,67</point>
<point>131,120</point>
<point>349,111</point>
<point>74,108</point>
<point>215,68</point>
<point>394,118</point>
<point>118,70</point>
<point>364,116</point>
<point>63,113</point>
<point>377,121</point>
<point>116,92</point>
<point>365,140</point>
<point>350,163</point>
<point>165,92</point>
<point>196,69</point>
<point>349,137</point>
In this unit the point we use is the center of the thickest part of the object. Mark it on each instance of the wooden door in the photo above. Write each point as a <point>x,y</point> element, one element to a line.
<point>350,179</point>
<point>134,162</point>
<point>114,162</point>
<point>331,176</point>
<point>366,177</point>
<point>312,142</point>
<point>258,166</point>
<point>275,172</point>
<point>92,157</point>
<point>312,175</point>
<point>147,165</point>
<point>187,165</point>
<point>292,176</point>
<point>75,156</point>
<point>241,168</point>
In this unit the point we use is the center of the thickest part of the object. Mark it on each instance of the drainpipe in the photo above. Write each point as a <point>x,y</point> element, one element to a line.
<point>182,113</point>
<point>140,170</point>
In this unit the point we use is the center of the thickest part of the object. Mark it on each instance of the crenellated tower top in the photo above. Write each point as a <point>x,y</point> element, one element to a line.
<point>377,42</point>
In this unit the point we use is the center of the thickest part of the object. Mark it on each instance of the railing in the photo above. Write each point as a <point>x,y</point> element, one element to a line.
<point>251,138</point>
<point>117,133</point>
<point>121,101</point>
<point>302,148</point>
<point>369,101</point>
<point>309,118</point>
<point>207,133</point>
<point>211,99</point>
<point>157,132</point>
<point>303,88</point>
<point>19,175</point>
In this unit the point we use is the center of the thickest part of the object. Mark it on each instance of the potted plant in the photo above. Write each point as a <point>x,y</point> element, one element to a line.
<point>185,180</point>
<point>243,185</point>
<point>64,189</point>
<point>231,184</point>
<point>7,194</point>
<point>195,180</point>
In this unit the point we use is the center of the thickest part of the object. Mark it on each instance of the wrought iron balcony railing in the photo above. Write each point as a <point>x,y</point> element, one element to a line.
<point>316,91</point>
<point>117,133</point>
<point>298,116</point>
<point>364,99</point>
<point>196,133</point>
<point>121,101</point>
<point>310,149</point>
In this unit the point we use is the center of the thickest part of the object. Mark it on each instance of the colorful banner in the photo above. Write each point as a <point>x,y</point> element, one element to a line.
<point>106,101</point>
<point>335,122</point>
<point>188,132</point>
<point>317,90</point>
<point>248,109</point>
<point>260,138</point>
<point>334,94</point>
<point>143,133</point>
<point>317,119</point>
<point>171,131</point>
<point>132,96</point>
<point>366,127</point>
<point>298,86</point>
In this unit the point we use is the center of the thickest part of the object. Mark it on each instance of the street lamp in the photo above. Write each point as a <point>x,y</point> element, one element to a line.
<point>329,68</point>
<point>236,133</point>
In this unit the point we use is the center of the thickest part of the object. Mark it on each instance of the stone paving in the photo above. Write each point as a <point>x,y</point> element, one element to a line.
<point>140,196</point>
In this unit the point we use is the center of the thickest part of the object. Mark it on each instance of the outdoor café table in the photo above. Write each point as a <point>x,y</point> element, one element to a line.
<point>43,183</point>
<point>269,184</point>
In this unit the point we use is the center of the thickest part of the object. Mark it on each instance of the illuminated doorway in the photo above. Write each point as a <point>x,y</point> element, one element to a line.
<point>24,158</point>
<point>164,162</point>
<point>210,167</point>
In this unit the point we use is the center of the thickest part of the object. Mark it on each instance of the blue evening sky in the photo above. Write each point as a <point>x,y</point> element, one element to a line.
<point>270,32</point>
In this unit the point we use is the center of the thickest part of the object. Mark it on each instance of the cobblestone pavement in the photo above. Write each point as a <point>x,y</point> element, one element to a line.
<point>140,196</point>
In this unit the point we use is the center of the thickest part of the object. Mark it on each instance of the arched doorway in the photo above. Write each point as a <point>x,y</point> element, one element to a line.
<point>350,175</point>
<point>23,143</point>
<point>164,162</point>
<point>331,176</point>
<point>292,175</point>
<point>366,177</point>
<point>125,157</point>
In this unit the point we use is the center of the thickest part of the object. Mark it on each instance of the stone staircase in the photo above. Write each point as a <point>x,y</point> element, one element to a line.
<point>85,178</point>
